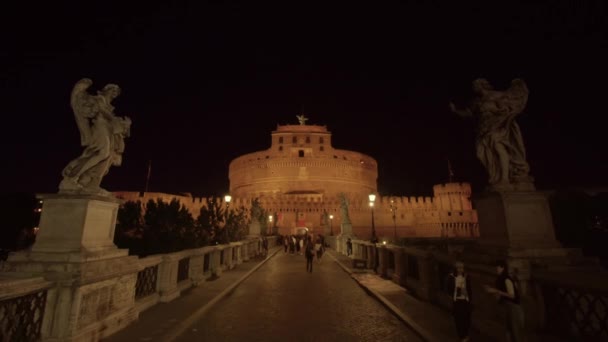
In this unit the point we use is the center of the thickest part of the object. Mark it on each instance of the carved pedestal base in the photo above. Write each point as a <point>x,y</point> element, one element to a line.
<point>255,229</point>
<point>326,230</point>
<point>515,220</point>
<point>94,281</point>
<point>77,224</point>
<point>346,229</point>
<point>517,226</point>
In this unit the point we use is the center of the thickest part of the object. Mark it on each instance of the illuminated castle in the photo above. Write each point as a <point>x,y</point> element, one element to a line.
<point>302,162</point>
<point>299,179</point>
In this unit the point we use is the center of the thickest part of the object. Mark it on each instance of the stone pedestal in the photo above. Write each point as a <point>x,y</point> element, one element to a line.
<point>94,280</point>
<point>517,220</point>
<point>347,229</point>
<point>326,230</point>
<point>79,226</point>
<point>518,228</point>
<point>255,229</point>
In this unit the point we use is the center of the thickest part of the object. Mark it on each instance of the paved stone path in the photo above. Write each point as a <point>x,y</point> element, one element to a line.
<point>282,302</point>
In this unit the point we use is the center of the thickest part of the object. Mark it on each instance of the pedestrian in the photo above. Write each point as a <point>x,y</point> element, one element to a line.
<point>265,245</point>
<point>309,253</point>
<point>319,248</point>
<point>506,290</point>
<point>459,288</point>
<point>286,243</point>
<point>349,247</point>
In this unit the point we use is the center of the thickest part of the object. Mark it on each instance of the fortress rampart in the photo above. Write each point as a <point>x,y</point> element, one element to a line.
<point>298,179</point>
<point>414,216</point>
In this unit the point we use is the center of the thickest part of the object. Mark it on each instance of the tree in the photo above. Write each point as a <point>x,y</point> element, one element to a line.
<point>211,219</point>
<point>19,218</point>
<point>165,227</point>
<point>570,211</point>
<point>129,227</point>
<point>236,224</point>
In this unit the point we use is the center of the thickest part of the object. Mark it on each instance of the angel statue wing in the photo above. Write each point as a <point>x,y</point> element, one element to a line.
<point>83,106</point>
<point>516,97</point>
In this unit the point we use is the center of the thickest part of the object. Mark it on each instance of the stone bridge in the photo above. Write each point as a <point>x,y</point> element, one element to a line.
<point>75,285</point>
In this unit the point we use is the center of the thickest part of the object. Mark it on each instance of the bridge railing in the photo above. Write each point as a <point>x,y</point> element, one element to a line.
<point>22,308</point>
<point>572,309</point>
<point>28,305</point>
<point>557,304</point>
<point>161,278</point>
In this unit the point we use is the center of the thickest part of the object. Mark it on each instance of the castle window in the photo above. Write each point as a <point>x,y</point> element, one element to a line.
<point>308,140</point>
<point>321,148</point>
<point>301,153</point>
<point>321,140</point>
<point>344,157</point>
<point>449,213</point>
<point>460,213</point>
<point>267,157</point>
<point>294,140</point>
<point>280,148</point>
<point>280,140</point>
<point>335,157</point>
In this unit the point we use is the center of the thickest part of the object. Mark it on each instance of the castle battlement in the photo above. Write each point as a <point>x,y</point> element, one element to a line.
<point>300,177</point>
<point>301,129</point>
<point>452,188</point>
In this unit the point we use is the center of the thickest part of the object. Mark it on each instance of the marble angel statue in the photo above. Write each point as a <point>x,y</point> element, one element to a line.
<point>499,142</point>
<point>344,208</point>
<point>102,134</point>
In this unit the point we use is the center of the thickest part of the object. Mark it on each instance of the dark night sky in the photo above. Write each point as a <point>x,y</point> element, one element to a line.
<point>205,83</point>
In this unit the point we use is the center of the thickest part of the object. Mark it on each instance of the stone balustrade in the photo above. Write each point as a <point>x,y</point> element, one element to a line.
<point>556,303</point>
<point>23,304</point>
<point>28,305</point>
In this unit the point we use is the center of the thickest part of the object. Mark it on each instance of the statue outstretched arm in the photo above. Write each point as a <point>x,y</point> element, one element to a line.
<point>465,113</point>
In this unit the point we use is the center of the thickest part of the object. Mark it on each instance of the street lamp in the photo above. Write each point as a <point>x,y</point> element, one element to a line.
<point>372,199</point>
<point>331,221</point>
<point>393,210</point>
<point>227,199</point>
<point>270,221</point>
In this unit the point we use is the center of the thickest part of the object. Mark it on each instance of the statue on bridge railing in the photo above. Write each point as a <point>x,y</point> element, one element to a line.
<point>102,134</point>
<point>499,142</point>
<point>344,208</point>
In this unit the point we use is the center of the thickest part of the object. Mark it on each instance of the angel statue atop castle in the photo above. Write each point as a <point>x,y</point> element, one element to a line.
<point>102,134</point>
<point>499,142</point>
<point>302,119</point>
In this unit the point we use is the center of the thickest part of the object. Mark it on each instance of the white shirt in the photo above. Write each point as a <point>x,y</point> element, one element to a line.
<point>460,283</point>
<point>510,288</point>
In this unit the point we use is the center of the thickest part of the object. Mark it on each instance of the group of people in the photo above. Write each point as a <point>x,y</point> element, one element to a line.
<point>305,245</point>
<point>506,290</point>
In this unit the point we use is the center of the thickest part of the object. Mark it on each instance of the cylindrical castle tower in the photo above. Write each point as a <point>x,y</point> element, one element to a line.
<point>301,160</point>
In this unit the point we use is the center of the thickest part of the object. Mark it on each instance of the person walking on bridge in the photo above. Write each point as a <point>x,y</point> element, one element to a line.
<point>309,253</point>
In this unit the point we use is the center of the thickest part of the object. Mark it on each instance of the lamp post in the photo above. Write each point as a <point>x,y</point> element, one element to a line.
<point>331,221</point>
<point>270,221</point>
<point>393,211</point>
<point>227,199</point>
<point>372,199</point>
